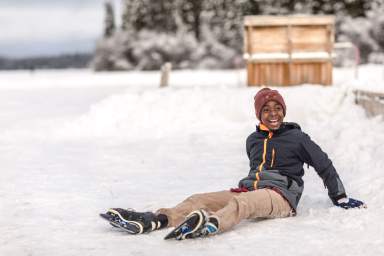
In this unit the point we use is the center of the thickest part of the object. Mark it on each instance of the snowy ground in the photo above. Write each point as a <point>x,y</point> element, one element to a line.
<point>74,143</point>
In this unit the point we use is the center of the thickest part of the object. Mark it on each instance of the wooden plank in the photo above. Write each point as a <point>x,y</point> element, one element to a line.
<point>275,39</point>
<point>268,60</point>
<point>310,47</point>
<point>250,74</point>
<point>268,48</point>
<point>329,73</point>
<point>278,73</point>
<point>309,34</point>
<point>330,38</point>
<point>261,77</point>
<point>246,40</point>
<point>267,40</point>
<point>303,20</point>
<point>275,74</point>
<point>311,72</point>
<point>289,38</point>
<point>307,75</point>
<point>267,35</point>
<point>249,40</point>
<point>319,73</point>
<point>309,60</point>
<point>268,74</point>
<point>286,78</point>
<point>283,73</point>
<point>257,74</point>
<point>292,73</point>
<point>324,74</point>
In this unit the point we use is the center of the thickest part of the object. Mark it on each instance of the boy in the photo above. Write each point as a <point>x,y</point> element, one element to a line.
<point>277,151</point>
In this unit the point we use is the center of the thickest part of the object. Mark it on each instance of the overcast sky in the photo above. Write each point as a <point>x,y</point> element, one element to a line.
<point>44,27</point>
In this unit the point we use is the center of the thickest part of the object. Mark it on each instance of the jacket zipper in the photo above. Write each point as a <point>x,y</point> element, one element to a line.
<point>273,157</point>
<point>270,134</point>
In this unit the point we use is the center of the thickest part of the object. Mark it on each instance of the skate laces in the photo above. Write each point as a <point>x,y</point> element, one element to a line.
<point>210,227</point>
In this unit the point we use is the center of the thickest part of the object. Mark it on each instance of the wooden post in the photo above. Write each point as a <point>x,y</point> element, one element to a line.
<point>357,60</point>
<point>165,70</point>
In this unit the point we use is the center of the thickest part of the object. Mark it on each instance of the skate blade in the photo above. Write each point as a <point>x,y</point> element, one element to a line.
<point>108,218</point>
<point>129,226</point>
<point>176,232</point>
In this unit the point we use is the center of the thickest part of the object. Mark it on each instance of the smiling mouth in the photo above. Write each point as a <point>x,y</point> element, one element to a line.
<point>274,122</point>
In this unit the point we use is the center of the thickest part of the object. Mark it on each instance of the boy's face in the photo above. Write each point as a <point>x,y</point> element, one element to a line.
<point>272,115</point>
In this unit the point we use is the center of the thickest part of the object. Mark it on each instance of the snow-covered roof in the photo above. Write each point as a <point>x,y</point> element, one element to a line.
<point>284,56</point>
<point>273,20</point>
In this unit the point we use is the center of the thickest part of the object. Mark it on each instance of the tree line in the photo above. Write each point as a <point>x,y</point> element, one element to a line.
<point>206,33</point>
<point>48,62</point>
<point>209,33</point>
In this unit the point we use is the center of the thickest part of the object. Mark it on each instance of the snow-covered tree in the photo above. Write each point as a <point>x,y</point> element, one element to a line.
<point>147,14</point>
<point>376,14</point>
<point>209,33</point>
<point>109,20</point>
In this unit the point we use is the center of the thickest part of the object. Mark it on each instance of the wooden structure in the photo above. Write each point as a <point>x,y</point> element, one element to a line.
<point>288,50</point>
<point>372,102</point>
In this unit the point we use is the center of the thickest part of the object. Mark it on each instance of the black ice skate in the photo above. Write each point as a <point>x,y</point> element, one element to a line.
<point>131,221</point>
<point>196,224</point>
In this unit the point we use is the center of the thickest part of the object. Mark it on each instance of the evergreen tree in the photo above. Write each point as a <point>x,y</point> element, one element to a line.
<point>147,14</point>
<point>209,33</point>
<point>376,15</point>
<point>109,20</point>
<point>353,8</point>
<point>190,11</point>
<point>225,21</point>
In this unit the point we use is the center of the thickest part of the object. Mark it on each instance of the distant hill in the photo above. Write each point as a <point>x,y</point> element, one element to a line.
<point>47,62</point>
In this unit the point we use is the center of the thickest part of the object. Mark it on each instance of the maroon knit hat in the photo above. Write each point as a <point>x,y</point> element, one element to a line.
<point>265,95</point>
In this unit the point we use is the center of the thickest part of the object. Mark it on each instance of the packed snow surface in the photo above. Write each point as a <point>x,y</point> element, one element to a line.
<point>74,143</point>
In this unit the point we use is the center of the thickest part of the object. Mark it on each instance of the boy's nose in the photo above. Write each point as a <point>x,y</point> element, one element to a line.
<point>273,112</point>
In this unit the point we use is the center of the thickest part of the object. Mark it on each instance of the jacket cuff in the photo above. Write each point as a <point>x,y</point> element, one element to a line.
<point>336,198</point>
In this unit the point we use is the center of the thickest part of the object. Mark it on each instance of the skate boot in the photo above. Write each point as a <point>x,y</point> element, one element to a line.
<point>131,221</point>
<point>197,224</point>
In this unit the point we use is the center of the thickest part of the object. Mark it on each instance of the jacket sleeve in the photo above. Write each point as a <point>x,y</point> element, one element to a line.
<point>248,144</point>
<point>314,156</point>
<point>248,181</point>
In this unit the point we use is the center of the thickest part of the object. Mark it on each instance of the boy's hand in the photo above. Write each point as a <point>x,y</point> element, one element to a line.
<point>348,203</point>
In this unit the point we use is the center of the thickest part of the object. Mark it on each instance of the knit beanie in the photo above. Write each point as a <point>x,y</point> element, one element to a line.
<point>265,95</point>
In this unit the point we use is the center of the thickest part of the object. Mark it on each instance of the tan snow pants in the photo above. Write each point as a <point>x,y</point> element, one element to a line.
<point>230,207</point>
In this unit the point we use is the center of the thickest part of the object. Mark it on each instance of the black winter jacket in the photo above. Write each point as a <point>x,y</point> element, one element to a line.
<point>277,159</point>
